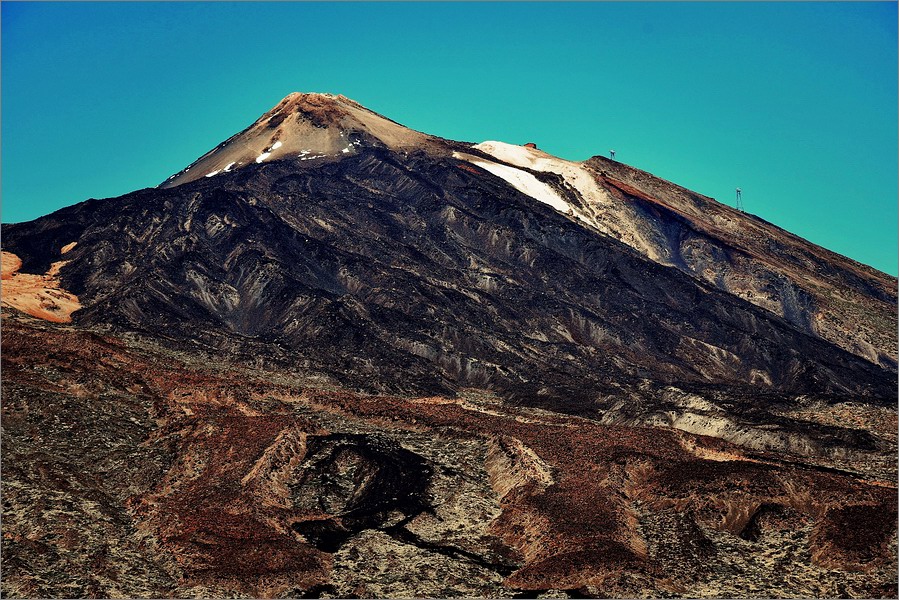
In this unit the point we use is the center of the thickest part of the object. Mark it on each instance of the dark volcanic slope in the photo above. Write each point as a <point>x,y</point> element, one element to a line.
<point>415,272</point>
<point>819,291</point>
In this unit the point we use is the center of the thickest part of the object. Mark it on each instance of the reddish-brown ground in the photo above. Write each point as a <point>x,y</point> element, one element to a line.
<point>579,502</point>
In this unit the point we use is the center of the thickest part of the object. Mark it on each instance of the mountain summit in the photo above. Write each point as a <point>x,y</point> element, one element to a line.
<point>332,340</point>
<point>305,127</point>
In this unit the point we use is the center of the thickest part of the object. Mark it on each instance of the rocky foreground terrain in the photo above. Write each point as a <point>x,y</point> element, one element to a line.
<point>338,358</point>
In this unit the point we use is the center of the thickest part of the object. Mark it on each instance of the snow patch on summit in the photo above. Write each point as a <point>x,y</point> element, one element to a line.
<point>524,182</point>
<point>519,156</point>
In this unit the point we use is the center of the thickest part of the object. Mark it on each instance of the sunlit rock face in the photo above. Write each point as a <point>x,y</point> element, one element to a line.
<point>338,357</point>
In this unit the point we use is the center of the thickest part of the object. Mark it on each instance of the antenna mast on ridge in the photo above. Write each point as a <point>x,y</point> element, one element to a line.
<point>740,200</point>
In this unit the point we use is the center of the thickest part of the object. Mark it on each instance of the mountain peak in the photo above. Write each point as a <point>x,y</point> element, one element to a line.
<point>314,105</point>
<point>306,127</point>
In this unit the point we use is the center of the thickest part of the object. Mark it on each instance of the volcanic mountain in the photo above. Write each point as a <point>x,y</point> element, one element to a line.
<point>332,339</point>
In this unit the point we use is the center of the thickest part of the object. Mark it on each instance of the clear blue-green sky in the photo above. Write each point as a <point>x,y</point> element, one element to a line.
<point>795,103</point>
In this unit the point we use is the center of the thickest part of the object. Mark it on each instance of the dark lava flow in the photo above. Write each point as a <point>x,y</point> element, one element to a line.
<point>361,480</point>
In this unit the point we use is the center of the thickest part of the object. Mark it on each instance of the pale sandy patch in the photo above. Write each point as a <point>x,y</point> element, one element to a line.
<point>37,295</point>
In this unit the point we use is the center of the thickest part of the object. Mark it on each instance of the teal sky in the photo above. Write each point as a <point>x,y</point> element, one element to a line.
<point>795,103</point>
